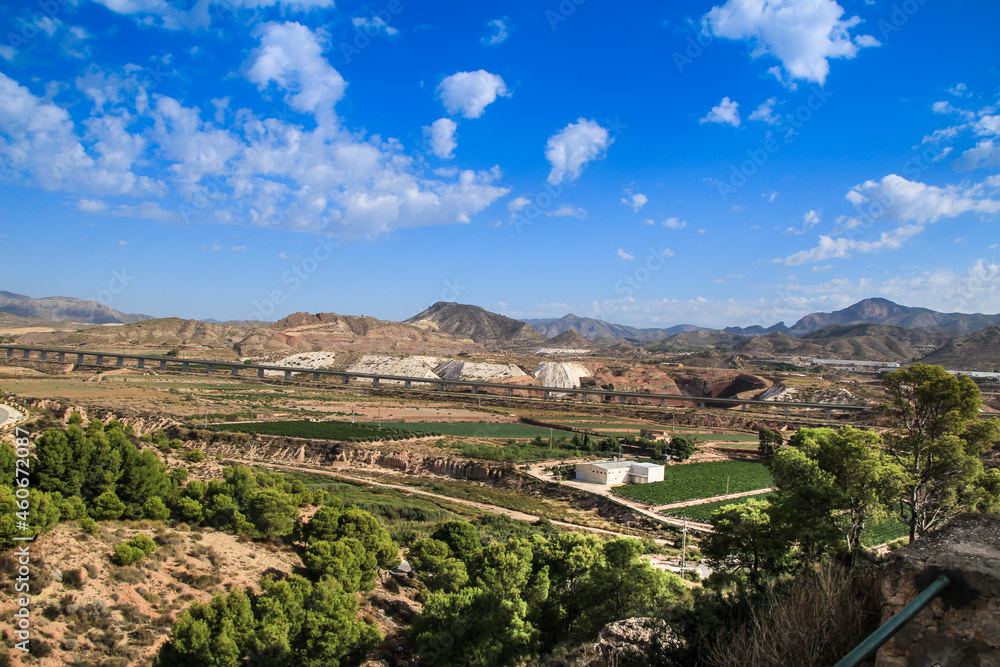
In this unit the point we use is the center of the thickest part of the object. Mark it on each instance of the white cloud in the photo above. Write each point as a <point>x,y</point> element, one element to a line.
<point>803,34</point>
<point>518,204</point>
<point>628,257</point>
<point>960,90</point>
<point>568,210</point>
<point>441,134</point>
<point>91,205</point>
<point>809,220</point>
<point>985,154</point>
<point>896,199</point>
<point>765,112</point>
<point>726,113</point>
<point>123,242</point>
<point>290,56</point>
<point>674,223</point>
<point>636,201</point>
<point>572,147</point>
<point>166,15</point>
<point>498,34</point>
<point>374,26</point>
<point>7,52</point>
<point>469,93</point>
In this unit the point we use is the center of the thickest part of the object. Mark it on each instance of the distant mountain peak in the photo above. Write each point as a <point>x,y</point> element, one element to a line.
<point>475,322</point>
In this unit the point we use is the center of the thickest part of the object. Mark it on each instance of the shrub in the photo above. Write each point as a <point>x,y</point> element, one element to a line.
<point>126,554</point>
<point>89,526</point>
<point>73,578</point>
<point>194,456</point>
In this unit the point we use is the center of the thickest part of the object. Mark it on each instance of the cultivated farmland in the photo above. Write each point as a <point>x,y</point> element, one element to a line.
<point>700,480</point>
<point>318,430</point>
<point>473,429</point>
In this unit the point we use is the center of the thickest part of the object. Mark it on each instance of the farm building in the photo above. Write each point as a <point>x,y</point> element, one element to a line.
<point>619,472</point>
<point>654,435</point>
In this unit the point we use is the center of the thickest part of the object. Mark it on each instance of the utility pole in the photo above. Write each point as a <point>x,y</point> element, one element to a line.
<point>684,550</point>
<point>727,486</point>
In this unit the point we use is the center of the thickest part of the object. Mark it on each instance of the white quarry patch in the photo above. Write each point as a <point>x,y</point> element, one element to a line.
<point>779,392</point>
<point>561,350</point>
<point>305,361</point>
<point>416,366</point>
<point>456,369</point>
<point>561,374</point>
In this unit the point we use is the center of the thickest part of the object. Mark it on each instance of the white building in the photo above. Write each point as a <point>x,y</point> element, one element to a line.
<point>610,473</point>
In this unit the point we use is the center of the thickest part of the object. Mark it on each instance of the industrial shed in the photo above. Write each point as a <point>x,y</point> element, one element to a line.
<point>610,473</point>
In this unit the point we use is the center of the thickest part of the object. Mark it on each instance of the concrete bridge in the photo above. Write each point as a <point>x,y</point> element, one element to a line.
<point>209,367</point>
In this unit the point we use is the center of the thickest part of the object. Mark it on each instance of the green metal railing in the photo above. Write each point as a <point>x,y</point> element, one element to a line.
<point>868,647</point>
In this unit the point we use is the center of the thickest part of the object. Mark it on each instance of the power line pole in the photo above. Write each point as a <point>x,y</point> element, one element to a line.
<point>684,550</point>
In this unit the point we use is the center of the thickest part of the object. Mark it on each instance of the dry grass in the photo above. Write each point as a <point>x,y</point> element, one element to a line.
<point>816,621</point>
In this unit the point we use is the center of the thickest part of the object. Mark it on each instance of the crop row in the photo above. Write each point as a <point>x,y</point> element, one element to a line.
<point>701,480</point>
<point>318,430</point>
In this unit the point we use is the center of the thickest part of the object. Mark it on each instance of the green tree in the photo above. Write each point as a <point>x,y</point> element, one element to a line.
<point>833,482</point>
<point>681,448</point>
<point>271,512</point>
<point>770,441</point>
<point>937,441</point>
<point>745,539</point>
<point>346,560</point>
<point>461,537</point>
<point>107,507</point>
<point>438,569</point>
<point>189,510</point>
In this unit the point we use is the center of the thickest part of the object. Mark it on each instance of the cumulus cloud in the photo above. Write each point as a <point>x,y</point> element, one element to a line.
<point>518,204</point>
<point>628,257</point>
<point>498,32</point>
<point>374,25</point>
<point>572,147</point>
<point>809,220</point>
<point>726,113</point>
<point>568,211</point>
<point>986,153</point>
<point>674,223</point>
<point>803,34</point>
<point>895,199</point>
<point>165,15</point>
<point>469,93</point>
<point>441,134</point>
<point>636,201</point>
<point>290,56</point>
<point>166,160</point>
<point>765,112</point>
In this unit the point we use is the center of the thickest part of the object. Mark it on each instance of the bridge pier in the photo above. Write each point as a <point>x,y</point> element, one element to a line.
<point>829,413</point>
<point>163,364</point>
<point>43,355</point>
<point>663,402</point>
<point>61,356</point>
<point>374,383</point>
<point>743,407</point>
<point>786,410</point>
<point>141,363</point>
<point>408,385</point>
<point>701,404</point>
<point>26,354</point>
<point>209,369</point>
<point>315,377</point>
<point>475,389</point>
<point>79,358</point>
<point>288,376</point>
<point>440,386</point>
<point>260,373</point>
<point>547,394</point>
<point>10,352</point>
<point>621,399</point>
<point>185,367</point>
<point>510,392</point>
<point>346,379</point>
<point>235,371</point>
<point>99,360</point>
<point>119,361</point>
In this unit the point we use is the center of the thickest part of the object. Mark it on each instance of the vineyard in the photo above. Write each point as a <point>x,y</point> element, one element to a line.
<point>318,430</point>
<point>474,429</point>
<point>875,533</point>
<point>700,480</point>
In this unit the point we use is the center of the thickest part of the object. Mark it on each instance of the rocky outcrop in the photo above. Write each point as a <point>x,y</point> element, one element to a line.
<point>634,641</point>
<point>328,453</point>
<point>141,424</point>
<point>962,626</point>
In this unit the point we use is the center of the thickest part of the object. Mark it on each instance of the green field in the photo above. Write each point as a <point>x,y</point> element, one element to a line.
<point>874,534</point>
<point>318,430</point>
<point>473,429</point>
<point>703,511</point>
<point>701,480</point>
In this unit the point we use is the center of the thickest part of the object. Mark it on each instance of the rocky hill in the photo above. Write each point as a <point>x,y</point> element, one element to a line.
<point>571,339</point>
<point>60,308</point>
<point>861,348</point>
<point>482,326</point>
<point>593,329</point>
<point>979,351</point>
<point>883,311</point>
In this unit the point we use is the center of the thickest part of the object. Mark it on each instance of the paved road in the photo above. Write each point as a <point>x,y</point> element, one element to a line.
<point>9,415</point>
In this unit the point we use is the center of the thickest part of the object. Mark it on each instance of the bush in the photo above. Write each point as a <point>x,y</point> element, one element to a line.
<point>89,526</point>
<point>194,456</point>
<point>126,554</point>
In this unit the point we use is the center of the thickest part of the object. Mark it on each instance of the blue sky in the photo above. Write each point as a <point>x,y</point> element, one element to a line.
<point>727,163</point>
